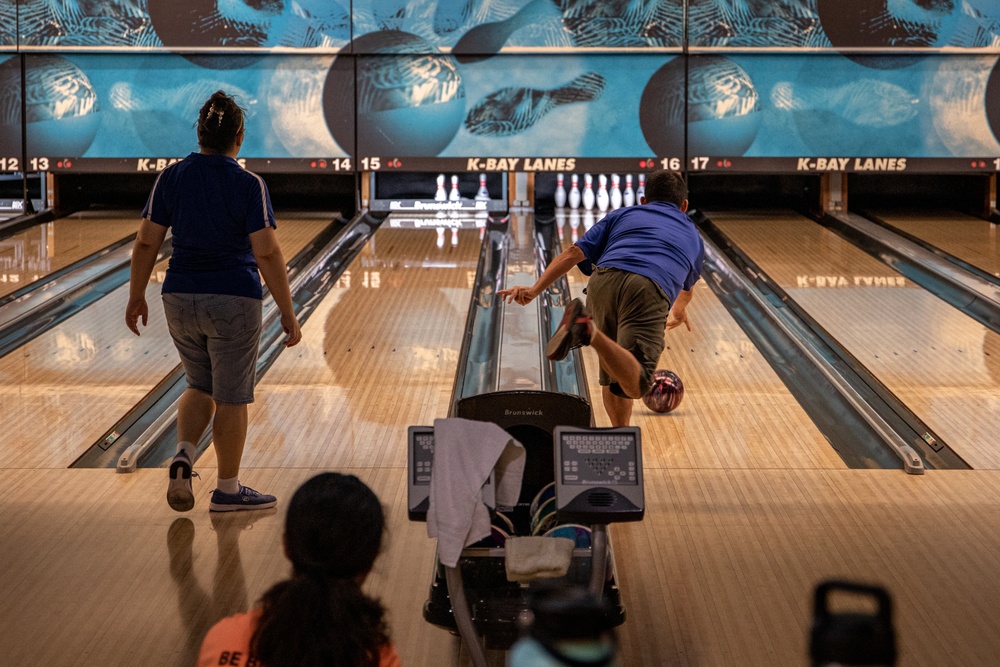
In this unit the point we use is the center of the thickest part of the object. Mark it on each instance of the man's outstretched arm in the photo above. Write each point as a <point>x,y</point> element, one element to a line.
<point>556,269</point>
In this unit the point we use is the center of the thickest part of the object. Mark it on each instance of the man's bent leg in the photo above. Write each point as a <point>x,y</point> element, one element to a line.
<point>618,362</point>
<point>619,409</point>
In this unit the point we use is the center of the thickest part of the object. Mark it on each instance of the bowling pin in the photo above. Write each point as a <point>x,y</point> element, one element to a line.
<point>440,194</point>
<point>574,225</point>
<point>484,193</point>
<point>616,191</point>
<point>454,236</point>
<point>603,200</point>
<point>560,195</point>
<point>588,191</point>
<point>440,237</point>
<point>560,222</point>
<point>482,217</point>
<point>574,192</point>
<point>588,220</point>
<point>453,195</point>
<point>641,191</point>
<point>628,197</point>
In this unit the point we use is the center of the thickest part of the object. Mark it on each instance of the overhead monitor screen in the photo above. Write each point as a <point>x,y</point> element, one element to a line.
<point>95,109</point>
<point>10,113</point>
<point>496,113</point>
<point>870,113</point>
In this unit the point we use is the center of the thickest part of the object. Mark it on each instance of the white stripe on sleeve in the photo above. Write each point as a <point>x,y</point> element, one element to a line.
<point>263,199</point>
<point>152,193</point>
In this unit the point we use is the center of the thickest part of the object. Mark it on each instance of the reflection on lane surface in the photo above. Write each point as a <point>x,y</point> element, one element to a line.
<point>32,254</point>
<point>60,392</point>
<point>941,363</point>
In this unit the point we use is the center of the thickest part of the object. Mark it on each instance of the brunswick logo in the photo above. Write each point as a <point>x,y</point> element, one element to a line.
<point>523,413</point>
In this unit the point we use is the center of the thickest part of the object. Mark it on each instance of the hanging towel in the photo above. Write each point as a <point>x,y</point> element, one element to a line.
<point>465,452</point>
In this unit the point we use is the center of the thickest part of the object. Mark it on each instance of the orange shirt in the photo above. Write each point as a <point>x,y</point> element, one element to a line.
<point>228,643</point>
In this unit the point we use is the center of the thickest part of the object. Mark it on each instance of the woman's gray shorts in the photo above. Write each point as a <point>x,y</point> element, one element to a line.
<point>217,337</point>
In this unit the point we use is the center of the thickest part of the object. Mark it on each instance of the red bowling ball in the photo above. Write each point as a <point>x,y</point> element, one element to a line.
<point>666,392</point>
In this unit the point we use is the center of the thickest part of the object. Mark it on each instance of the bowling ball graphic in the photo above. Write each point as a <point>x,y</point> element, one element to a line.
<point>854,24</point>
<point>723,112</point>
<point>61,107</point>
<point>410,99</point>
<point>215,23</point>
<point>993,100</point>
<point>840,108</point>
<point>666,392</point>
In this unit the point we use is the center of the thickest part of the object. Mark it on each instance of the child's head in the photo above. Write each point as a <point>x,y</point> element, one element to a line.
<point>320,616</point>
<point>220,123</point>
<point>334,527</point>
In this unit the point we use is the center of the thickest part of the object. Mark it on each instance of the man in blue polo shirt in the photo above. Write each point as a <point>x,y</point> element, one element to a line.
<point>644,261</point>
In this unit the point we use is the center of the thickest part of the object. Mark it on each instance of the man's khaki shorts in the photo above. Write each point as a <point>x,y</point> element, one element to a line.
<point>631,310</point>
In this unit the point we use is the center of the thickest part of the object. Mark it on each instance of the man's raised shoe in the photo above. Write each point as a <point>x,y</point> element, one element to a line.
<point>573,331</point>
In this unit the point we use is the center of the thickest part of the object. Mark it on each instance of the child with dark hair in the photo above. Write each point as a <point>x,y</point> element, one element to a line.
<point>645,261</point>
<point>223,242</point>
<point>320,616</point>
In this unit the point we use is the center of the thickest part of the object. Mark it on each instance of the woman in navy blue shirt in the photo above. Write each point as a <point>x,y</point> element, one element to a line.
<point>223,240</point>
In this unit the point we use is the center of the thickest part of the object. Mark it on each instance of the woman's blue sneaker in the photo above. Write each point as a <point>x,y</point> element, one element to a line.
<point>244,499</point>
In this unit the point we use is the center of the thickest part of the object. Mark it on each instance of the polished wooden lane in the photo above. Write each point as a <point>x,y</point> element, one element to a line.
<point>736,412</point>
<point>377,356</point>
<point>63,390</point>
<point>40,250</point>
<point>98,571</point>
<point>941,363</point>
<point>972,240</point>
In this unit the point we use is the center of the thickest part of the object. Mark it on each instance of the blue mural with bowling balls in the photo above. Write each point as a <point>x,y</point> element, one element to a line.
<point>222,24</point>
<point>10,107</point>
<point>87,105</point>
<point>494,78</point>
<point>845,24</point>
<point>557,106</point>
<point>759,105</point>
<point>470,27</point>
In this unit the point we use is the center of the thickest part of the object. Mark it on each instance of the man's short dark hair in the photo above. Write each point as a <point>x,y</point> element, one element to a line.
<point>666,186</point>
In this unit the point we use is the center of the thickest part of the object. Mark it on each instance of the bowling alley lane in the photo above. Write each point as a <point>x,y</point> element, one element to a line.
<point>736,412</point>
<point>942,364</point>
<point>970,239</point>
<point>62,391</point>
<point>377,355</point>
<point>34,253</point>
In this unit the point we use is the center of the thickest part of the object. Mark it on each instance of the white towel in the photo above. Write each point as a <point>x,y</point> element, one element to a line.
<point>465,452</point>
<point>529,558</point>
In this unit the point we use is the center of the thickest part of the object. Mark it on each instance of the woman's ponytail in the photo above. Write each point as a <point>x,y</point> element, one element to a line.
<point>311,620</point>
